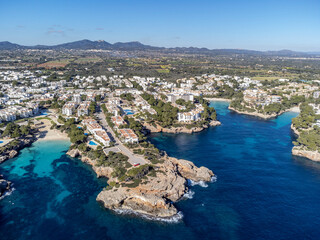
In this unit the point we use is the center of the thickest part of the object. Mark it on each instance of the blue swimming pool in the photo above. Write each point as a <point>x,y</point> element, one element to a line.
<point>128,111</point>
<point>44,113</point>
<point>92,143</point>
<point>1,141</point>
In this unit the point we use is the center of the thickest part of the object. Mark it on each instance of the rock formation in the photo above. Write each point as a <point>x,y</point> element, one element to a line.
<point>312,155</point>
<point>4,186</point>
<point>301,151</point>
<point>155,195</point>
<point>184,129</point>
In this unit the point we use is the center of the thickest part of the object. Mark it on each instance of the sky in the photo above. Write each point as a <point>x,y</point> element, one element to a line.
<point>214,24</point>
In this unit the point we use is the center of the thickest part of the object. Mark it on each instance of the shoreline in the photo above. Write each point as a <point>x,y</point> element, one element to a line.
<point>45,133</point>
<point>265,116</point>
<point>176,130</point>
<point>300,151</point>
<point>218,99</point>
<point>255,114</point>
<point>154,197</point>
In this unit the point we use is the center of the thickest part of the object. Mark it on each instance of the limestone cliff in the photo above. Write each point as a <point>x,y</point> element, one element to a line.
<point>155,195</point>
<point>301,152</point>
<point>184,129</point>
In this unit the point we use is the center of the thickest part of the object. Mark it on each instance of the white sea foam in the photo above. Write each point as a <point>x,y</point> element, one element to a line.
<point>200,183</point>
<point>174,219</point>
<point>214,179</point>
<point>188,195</point>
<point>7,193</point>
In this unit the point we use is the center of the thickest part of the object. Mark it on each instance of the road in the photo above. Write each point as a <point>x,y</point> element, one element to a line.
<point>133,159</point>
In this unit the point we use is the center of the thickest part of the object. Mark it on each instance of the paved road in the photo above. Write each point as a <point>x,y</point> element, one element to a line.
<point>133,159</point>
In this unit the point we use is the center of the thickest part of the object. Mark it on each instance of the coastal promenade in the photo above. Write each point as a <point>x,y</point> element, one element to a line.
<point>133,159</point>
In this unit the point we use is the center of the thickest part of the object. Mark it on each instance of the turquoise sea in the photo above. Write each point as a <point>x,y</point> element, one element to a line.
<point>261,192</point>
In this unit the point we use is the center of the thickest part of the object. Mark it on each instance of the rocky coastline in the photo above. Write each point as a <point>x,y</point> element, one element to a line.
<point>184,129</point>
<point>302,151</point>
<point>256,114</point>
<point>5,186</point>
<point>155,195</point>
<point>13,151</point>
<point>295,131</point>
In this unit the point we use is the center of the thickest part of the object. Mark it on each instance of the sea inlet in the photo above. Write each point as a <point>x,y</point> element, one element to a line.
<point>261,192</point>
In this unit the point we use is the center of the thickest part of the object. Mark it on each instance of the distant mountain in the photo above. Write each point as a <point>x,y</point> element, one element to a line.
<point>9,46</point>
<point>84,45</point>
<point>133,46</point>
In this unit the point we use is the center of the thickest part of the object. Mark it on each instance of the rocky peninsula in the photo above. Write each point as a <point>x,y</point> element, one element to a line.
<point>155,195</point>
<point>13,148</point>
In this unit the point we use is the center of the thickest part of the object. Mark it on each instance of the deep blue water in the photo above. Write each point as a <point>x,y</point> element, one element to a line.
<point>262,192</point>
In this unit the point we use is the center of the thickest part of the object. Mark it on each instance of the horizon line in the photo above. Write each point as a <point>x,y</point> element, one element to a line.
<point>279,50</point>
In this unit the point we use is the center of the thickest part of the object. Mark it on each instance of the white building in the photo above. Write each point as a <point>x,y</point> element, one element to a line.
<point>69,108</point>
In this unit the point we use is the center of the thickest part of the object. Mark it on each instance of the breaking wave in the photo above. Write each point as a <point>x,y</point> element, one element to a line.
<point>188,195</point>
<point>7,193</point>
<point>213,179</point>
<point>174,219</point>
<point>200,183</point>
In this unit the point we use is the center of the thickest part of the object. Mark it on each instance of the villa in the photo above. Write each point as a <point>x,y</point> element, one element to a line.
<point>102,136</point>
<point>128,136</point>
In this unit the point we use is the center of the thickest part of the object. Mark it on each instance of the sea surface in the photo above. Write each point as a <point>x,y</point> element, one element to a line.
<point>261,192</point>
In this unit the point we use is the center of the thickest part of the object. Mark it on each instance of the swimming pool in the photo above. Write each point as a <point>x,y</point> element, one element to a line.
<point>92,143</point>
<point>128,111</point>
<point>44,113</point>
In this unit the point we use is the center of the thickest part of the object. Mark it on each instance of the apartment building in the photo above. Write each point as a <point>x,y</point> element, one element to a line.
<point>128,136</point>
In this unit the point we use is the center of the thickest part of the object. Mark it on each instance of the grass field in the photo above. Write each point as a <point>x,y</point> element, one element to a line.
<point>88,60</point>
<point>163,70</point>
<point>55,64</point>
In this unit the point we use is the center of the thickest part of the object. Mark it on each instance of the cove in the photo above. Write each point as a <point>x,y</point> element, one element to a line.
<point>262,192</point>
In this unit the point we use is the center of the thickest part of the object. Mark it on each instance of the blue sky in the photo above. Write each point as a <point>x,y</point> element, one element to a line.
<point>258,25</point>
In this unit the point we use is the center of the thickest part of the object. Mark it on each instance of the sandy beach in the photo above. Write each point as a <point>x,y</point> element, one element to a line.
<point>218,99</point>
<point>294,109</point>
<point>50,134</point>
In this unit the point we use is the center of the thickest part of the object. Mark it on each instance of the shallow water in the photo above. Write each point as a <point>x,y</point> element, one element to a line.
<point>262,192</point>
